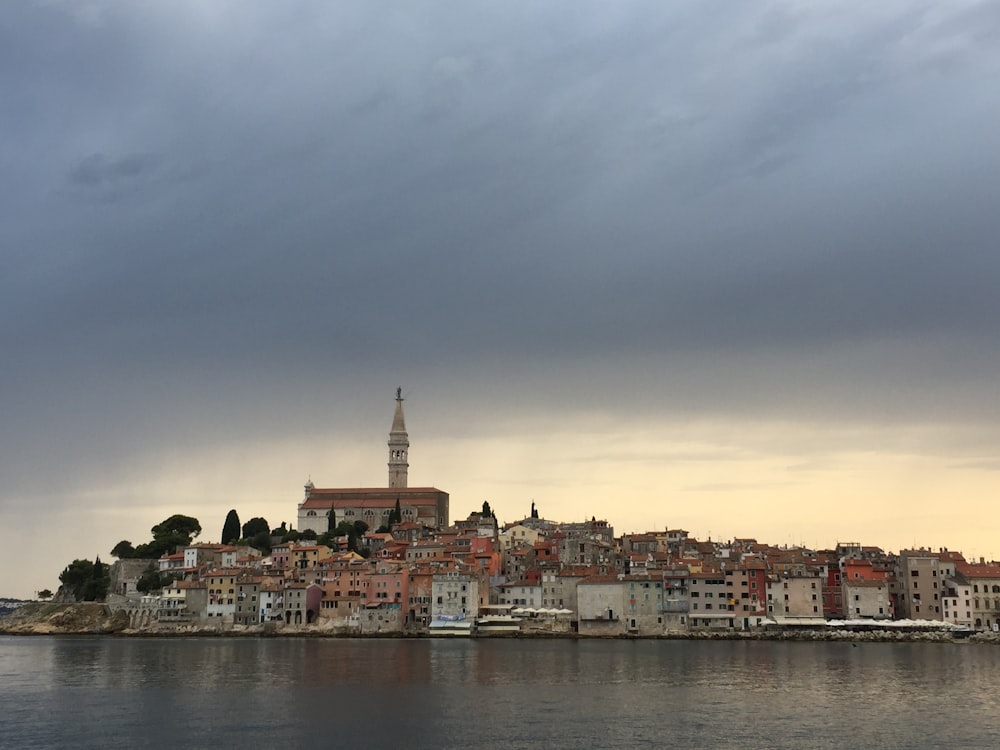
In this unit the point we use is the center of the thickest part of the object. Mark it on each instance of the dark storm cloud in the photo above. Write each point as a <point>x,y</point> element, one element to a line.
<point>97,169</point>
<point>214,209</point>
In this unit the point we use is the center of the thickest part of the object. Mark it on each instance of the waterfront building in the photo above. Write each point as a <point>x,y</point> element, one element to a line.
<point>676,604</point>
<point>301,602</point>
<point>248,600</point>
<point>709,599</point>
<point>221,585</point>
<point>643,604</point>
<point>523,593</point>
<point>795,598</point>
<point>600,601</point>
<point>458,594</point>
<point>918,586</point>
<point>746,588</point>
<point>421,589</point>
<point>981,584</point>
<point>866,599</point>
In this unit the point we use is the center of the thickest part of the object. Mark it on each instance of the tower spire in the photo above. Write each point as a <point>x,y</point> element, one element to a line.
<point>399,445</point>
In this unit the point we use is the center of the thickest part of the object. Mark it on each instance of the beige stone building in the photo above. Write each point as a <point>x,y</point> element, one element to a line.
<point>865,599</point>
<point>600,601</point>
<point>919,585</point>
<point>795,598</point>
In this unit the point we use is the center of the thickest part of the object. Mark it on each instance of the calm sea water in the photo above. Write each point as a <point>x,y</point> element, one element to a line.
<point>294,693</point>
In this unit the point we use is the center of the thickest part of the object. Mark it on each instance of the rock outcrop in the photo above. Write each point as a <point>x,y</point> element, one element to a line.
<point>47,618</point>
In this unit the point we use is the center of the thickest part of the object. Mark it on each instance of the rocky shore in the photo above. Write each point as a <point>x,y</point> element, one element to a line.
<point>41,618</point>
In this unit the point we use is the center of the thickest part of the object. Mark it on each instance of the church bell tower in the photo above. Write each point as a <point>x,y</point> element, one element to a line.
<point>399,444</point>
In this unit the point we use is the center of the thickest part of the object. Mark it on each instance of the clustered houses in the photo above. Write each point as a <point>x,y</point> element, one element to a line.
<point>649,584</point>
<point>414,572</point>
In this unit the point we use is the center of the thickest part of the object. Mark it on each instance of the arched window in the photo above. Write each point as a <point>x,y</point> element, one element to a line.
<point>311,513</point>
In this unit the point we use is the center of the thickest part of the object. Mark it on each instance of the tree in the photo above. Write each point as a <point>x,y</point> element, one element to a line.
<point>87,581</point>
<point>123,550</point>
<point>176,531</point>
<point>231,528</point>
<point>331,520</point>
<point>149,580</point>
<point>255,526</point>
<point>177,525</point>
<point>75,576</point>
<point>96,588</point>
<point>396,514</point>
<point>44,594</point>
<point>262,541</point>
<point>487,513</point>
<point>308,535</point>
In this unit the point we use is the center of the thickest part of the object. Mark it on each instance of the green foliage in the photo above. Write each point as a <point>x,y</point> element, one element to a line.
<point>255,526</point>
<point>176,531</point>
<point>177,525</point>
<point>231,528</point>
<point>395,516</point>
<point>87,581</point>
<point>152,580</point>
<point>487,513</point>
<point>280,530</point>
<point>44,594</point>
<point>308,535</point>
<point>331,520</point>
<point>262,541</point>
<point>123,550</point>
<point>353,531</point>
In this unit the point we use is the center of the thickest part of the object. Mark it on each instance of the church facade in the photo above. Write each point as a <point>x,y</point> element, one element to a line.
<point>424,505</point>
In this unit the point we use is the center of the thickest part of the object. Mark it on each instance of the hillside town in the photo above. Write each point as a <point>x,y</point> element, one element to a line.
<point>405,568</point>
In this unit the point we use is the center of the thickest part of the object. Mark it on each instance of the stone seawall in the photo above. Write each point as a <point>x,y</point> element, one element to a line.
<point>43,618</point>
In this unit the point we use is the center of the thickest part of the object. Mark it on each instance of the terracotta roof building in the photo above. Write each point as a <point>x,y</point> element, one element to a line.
<point>422,505</point>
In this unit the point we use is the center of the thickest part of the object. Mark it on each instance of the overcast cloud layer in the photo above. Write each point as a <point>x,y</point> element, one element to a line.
<point>750,237</point>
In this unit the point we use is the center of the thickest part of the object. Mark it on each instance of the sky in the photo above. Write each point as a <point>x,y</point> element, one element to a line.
<point>726,267</point>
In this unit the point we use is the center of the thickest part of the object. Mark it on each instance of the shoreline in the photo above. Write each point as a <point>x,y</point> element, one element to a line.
<point>95,619</point>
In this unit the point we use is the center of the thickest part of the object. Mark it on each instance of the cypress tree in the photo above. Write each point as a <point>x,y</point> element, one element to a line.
<point>231,528</point>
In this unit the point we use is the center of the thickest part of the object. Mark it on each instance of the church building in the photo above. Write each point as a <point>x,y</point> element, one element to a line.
<point>424,505</point>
